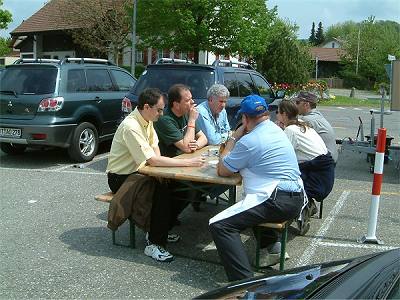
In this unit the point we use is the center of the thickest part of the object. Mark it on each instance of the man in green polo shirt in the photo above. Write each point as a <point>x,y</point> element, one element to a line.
<point>178,133</point>
<point>177,129</point>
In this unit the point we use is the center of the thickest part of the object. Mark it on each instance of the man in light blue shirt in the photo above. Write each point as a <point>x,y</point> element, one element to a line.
<point>266,160</point>
<point>213,120</point>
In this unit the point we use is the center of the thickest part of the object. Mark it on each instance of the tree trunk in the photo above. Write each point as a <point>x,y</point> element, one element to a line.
<point>196,55</point>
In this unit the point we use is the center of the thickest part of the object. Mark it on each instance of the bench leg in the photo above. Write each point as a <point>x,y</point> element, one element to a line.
<point>283,247</point>
<point>132,234</point>
<point>258,245</point>
<point>113,237</point>
<point>132,242</point>
<point>320,209</point>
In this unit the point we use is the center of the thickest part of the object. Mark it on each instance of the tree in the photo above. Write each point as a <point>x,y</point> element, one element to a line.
<point>221,26</point>
<point>377,40</point>
<point>4,46</point>
<point>341,30</point>
<point>104,26</point>
<point>319,35</point>
<point>311,39</point>
<point>5,17</point>
<point>285,59</point>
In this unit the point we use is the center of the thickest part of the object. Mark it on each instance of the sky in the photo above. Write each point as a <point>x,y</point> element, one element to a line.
<point>300,12</point>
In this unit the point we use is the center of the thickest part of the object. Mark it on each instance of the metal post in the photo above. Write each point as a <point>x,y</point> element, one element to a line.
<point>358,48</point>
<point>372,130</point>
<point>382,90</point>
<point>376,189</point>
<point>133,50</point>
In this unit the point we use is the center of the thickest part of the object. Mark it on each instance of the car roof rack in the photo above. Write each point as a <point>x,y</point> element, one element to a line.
<point>82,60</point>
<point>35,60</point>
<point>229,63</point>
<point>167,60</point>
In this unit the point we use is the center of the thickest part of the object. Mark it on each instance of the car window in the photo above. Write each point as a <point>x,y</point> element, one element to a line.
<point>76,81</point>
<point>264,89</point>
<point>98,80</point>
<point>123,80</point>
<point>246,85</point>
<point>29,80</point>
<point>199,81</point>
<point>231,84</point>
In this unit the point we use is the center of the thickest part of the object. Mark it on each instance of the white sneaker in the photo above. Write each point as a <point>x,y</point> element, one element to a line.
<point>158,253</point>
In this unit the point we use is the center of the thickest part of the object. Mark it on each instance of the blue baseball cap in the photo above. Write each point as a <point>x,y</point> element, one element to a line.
<point>253,105</point>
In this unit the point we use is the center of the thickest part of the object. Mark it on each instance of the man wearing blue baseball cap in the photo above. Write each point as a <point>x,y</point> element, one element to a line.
<point>272,186</point>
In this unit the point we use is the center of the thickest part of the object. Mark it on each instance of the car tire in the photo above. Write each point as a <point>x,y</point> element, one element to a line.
<point>12,149</point>
<point>84,143</point>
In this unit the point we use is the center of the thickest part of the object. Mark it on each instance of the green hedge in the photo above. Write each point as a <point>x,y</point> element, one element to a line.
<point>138,69</point>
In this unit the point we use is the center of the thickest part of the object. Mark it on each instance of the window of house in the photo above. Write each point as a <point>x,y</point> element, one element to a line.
<point>139,56</point>
<point>76,81</point>
<point>246,85</point>
<point>123,80</point>
<point>231,84</point>
<point>98,80</point>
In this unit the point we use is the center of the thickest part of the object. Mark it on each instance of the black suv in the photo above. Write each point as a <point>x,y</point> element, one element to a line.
<point>240,79</point>
<point>73,103</point>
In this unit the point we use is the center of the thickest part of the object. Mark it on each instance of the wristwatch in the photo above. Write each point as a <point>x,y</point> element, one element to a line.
<point>232,138</point>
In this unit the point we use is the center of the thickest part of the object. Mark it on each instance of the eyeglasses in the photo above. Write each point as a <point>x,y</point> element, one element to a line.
<point>159,110</point>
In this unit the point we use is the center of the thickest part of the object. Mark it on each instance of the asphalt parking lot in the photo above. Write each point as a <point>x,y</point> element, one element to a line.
<point>55,243</point>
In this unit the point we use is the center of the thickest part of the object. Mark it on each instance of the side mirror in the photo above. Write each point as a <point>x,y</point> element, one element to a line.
<point>280,94</point>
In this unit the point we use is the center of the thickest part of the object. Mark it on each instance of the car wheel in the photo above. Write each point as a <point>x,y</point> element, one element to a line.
<point>12,149</point>
<point>84,143</point>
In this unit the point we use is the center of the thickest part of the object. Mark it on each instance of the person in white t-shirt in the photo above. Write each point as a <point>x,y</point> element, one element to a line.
<point>316,164</point>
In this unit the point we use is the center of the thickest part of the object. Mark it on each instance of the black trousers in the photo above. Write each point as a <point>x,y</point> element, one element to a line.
<point>281,206</point>
<point>160,212</point>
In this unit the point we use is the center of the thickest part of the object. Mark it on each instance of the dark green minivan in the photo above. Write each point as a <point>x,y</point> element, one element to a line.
<point>73,103</point>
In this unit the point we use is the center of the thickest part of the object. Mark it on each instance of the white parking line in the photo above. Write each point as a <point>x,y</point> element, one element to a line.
<point>305,259</point>
<point>63,168</point>
<point>362,246</point>
<point>96,159</point>
<point>54,171</point>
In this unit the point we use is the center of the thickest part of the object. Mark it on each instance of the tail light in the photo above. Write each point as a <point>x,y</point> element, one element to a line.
<point>51,104</point>
<point>126,105</point>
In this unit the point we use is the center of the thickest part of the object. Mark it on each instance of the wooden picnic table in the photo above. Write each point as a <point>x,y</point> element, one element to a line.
<point>192,176</point>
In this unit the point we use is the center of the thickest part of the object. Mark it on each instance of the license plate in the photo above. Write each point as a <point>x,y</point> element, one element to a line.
<point>10,132</point>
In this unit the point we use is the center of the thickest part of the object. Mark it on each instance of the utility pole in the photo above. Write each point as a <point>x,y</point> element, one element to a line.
<point>358,48</point>
<point>133,50</point>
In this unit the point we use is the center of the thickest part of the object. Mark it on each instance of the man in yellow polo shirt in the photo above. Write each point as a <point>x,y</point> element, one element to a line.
<point>135,144</point>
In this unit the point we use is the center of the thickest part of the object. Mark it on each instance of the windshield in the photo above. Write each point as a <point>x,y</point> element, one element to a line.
<point>29,81</point>
<point>199,81</point>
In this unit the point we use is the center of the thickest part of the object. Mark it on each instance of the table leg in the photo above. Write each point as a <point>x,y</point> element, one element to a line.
<point>232,194</point>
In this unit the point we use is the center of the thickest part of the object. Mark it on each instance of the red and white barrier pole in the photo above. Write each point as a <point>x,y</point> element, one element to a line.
<point>376,189</point>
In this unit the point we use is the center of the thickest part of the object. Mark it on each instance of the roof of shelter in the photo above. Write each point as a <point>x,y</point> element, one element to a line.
<point>48,18</point>
<point>327,54</point>
<point>51,17</point>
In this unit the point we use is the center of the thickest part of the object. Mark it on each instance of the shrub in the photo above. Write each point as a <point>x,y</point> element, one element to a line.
<point>377,87</point>
<point>138,69</point>
<point>351,79</point>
